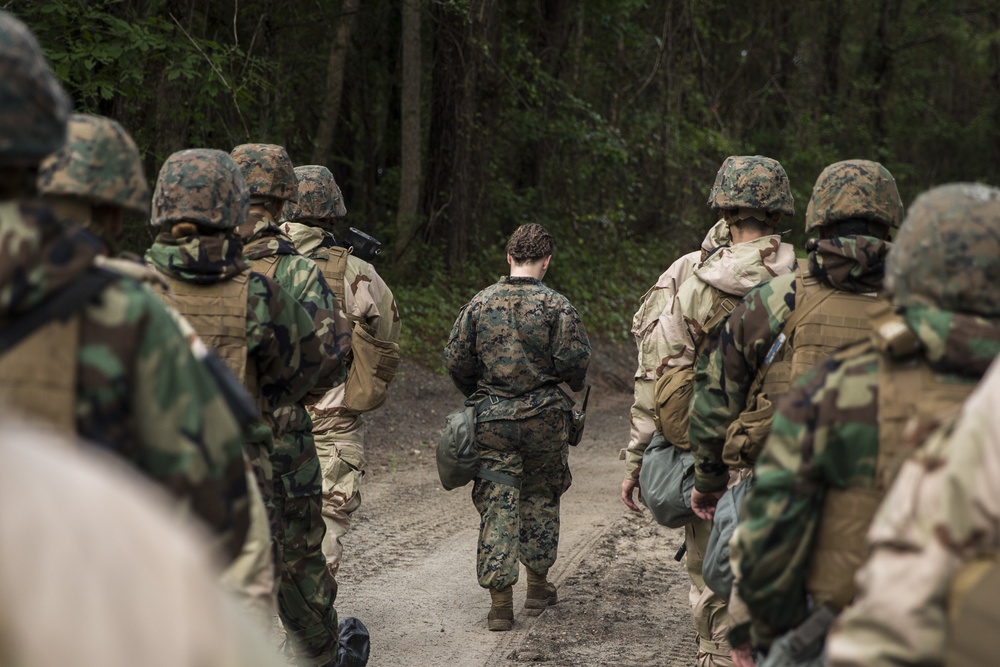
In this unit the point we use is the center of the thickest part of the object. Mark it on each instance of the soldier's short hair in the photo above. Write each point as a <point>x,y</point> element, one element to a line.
<point>529,242</point>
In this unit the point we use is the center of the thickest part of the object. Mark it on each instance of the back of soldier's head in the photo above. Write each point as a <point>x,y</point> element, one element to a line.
<point>752,190</point>
<point>529,243</point>
<point>947,254</point>
<point>319,200</point>
<point>202,187</point>
<point>33,108</point>
<point>854,197</point>
<point>99,163</point>
<point>267,170</point>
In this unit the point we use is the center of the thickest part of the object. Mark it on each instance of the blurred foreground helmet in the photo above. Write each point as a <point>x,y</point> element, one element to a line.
<point>319,196</point>
<point>267,170</point>
<point>854,189</point>
<point>754,182</point>
<point>947,254</point>
<point>99,163</point>
<point>33,106</point>
<point>200,185</point>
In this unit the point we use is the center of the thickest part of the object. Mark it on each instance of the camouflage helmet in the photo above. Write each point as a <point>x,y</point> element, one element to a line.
<point>319,196</point>
<point>200,185</point>
<point>752,181</point>
<point>267,170</point>
<point>33,106</point>
<point>947,253</point>
<point>99,163</point>
<point>854,189</point>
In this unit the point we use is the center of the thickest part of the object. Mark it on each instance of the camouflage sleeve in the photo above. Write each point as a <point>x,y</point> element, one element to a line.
<point>373,301</point>
<point>723,377</point>
<point>641,427</point>
<point>302,278</point>
<point>941,513</point>
<point>281,339</point>
<point>819,440</point>
<point>460,357</point>
<point>186,438</point>
<point>570,347</point>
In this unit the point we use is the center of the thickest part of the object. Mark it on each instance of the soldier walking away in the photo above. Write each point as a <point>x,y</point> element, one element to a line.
<point>927,594</point>
<point>751,193</point>
<point>338,427</point>
<point>306,590</point>
<point>843,430</point>
<point>510,348</point>
<point>90,352</point>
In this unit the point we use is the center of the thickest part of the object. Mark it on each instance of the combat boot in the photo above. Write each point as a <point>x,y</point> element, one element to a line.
<point>540,595</point>
<point>501,616</point>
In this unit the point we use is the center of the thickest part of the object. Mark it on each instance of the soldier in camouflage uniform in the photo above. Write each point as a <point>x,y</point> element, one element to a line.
<point>853,206</point>
<point>338,428</point>
<point>92,181</point>
<point>307,590</point>
<point>114,368</point>
<point>844,428</point>
<point>742,251</point>
<point>510,348</point>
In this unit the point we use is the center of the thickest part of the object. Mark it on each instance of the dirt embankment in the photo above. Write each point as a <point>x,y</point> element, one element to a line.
<point>409,568</point>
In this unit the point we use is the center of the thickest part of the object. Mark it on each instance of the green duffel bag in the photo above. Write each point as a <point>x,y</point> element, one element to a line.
<point>716,569</point>
<point>666,480</point>
<point>458,454</point>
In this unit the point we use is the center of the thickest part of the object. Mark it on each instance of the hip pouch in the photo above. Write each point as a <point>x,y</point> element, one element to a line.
<point>746,436</point>
<point>374,367</point>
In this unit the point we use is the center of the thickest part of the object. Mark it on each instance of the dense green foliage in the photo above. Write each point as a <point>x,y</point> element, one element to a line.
<point>603,119</point>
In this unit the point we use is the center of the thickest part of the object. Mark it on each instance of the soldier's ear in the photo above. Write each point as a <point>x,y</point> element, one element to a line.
<point>510,260</point>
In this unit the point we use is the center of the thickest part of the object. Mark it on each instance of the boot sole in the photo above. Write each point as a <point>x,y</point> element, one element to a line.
<point>535,606</point>
<point>500,625</point>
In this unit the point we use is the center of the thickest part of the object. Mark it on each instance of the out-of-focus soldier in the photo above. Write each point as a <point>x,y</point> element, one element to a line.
<point>367,301</point>
<point>751,193</point>
<point>258,329</point>
<point>93,181</point>
<point>89,351</point>
<point>307,590</point>
<point>118,580</point>
<point>843,430</point>
<point>509,349</point>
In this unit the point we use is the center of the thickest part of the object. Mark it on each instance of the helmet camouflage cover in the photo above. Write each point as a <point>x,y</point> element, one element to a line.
<point>947,254</point>
<point>267,170</point>
<point>752,181</point>
<point>33,106</point>
<point>319,196</point>
<point>854,189</point>
<point>99,163</point>
<point>200,185</point>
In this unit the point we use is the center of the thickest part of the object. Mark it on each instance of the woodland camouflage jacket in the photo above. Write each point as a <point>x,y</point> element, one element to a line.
<point>140,392</point>
<point>724,375</point>
<point>826,436</point>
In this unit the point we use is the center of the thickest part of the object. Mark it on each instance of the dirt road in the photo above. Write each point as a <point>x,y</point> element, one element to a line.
<point>409,568</point>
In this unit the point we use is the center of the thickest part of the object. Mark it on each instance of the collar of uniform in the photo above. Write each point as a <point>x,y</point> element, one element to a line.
<point>521,280</point>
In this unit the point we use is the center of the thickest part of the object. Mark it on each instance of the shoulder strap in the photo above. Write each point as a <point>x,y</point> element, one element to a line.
<point>723,304</point>
<point>59,306</point>
<point>788,328</point>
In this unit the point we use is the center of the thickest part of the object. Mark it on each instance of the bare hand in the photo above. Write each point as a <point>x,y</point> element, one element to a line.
<point>628,486</point>
<point>704,504</point>
<point>741,656</point>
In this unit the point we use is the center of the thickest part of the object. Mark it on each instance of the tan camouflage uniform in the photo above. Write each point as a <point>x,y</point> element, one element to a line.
<point>337,429</point>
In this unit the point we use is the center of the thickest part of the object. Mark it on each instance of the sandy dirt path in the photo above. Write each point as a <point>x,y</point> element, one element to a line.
<point>409,569</point>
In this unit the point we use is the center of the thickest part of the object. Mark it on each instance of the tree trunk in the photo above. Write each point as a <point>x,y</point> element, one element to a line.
<point>334,83</point>
<point>410,135</point>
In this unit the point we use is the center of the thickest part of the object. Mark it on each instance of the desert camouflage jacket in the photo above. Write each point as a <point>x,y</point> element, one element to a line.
<point>140,392</point>
<point>280,338</point>
<point>518,339</point>
<point>942,512</point>
<point>366,299</point>
<point>724,375</point>
<point>670,340</point>
<point>303,280</point>
<point>825,436</point>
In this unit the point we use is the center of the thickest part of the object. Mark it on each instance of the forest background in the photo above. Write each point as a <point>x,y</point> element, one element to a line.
<point>448,123</point>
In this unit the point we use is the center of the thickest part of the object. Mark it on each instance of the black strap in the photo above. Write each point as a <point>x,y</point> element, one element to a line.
<point>500,478</point>
<point>59,306</point>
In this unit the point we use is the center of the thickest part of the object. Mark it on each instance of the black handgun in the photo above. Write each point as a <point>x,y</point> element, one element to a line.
<point>362,245</point>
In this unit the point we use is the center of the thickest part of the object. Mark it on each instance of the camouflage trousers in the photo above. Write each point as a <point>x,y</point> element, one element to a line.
<point>306,591</point>
<point>520,525</point>
<point>709,611</point>
<point>341,453</point>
